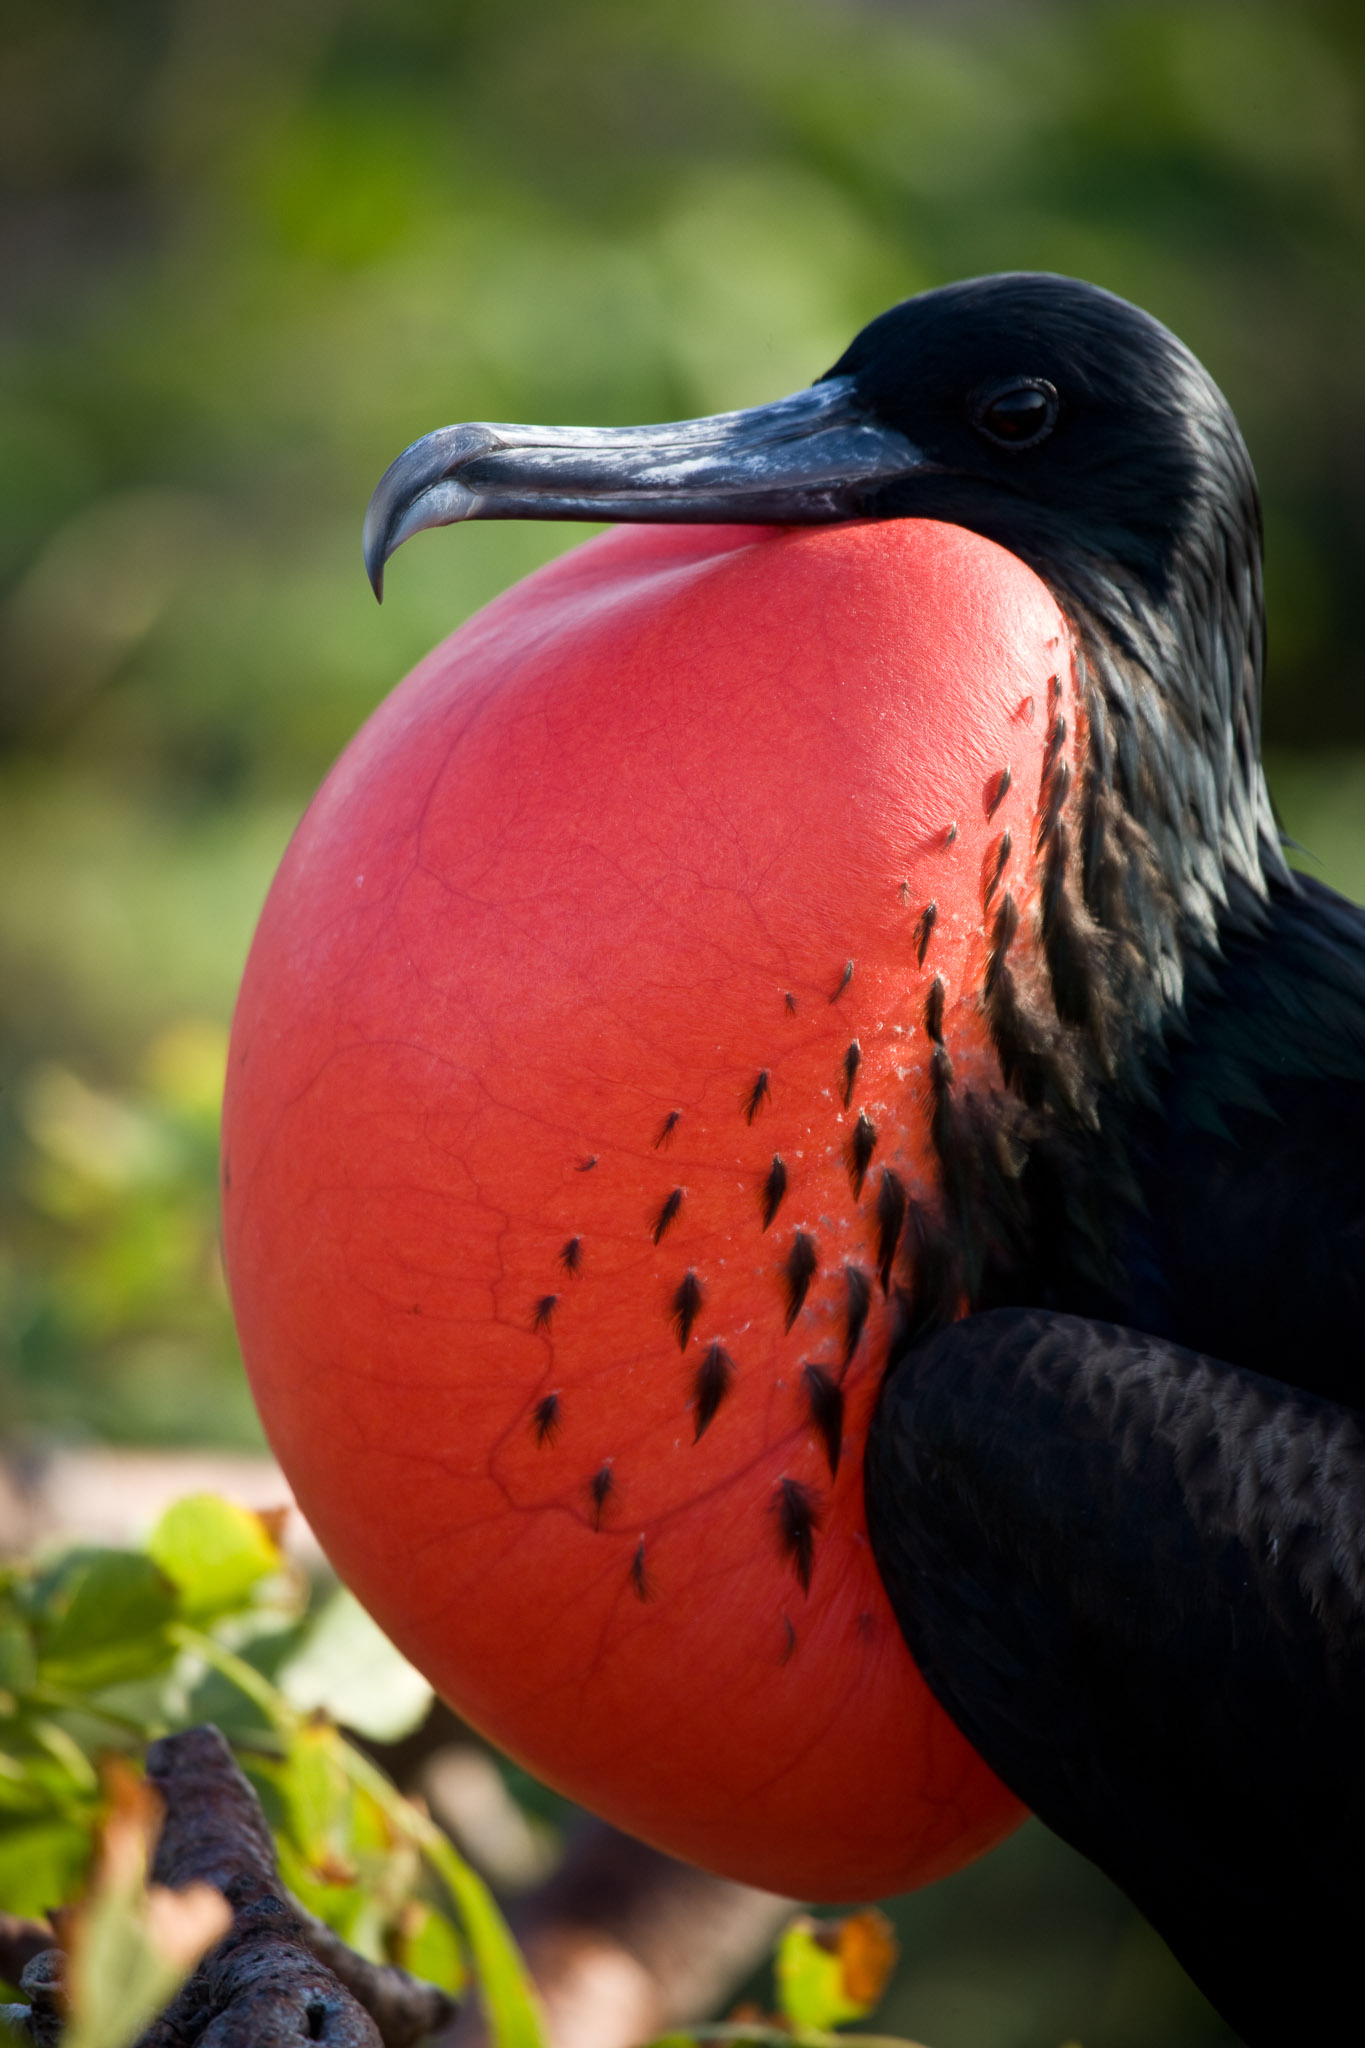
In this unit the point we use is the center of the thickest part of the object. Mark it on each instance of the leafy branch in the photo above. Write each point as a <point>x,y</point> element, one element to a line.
<point>268,1881</point>
<point>105,1652</point>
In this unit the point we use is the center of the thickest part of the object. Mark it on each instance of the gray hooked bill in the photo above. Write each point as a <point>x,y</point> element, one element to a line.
<point>803,460</point>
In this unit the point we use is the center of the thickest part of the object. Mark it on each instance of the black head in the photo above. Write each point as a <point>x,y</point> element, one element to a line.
<point>1058,419</point>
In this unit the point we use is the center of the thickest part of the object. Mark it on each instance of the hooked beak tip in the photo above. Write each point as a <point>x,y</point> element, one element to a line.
<point>418,490</point>
<point>374,549</point>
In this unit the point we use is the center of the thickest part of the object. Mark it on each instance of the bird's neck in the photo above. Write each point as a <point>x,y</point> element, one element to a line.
<point>1167,832</point>
<point>1174,833</point>
<point>1156,842</point>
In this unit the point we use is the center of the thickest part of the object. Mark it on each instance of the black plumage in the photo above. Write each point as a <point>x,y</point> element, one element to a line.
<point>1087,1529</point>
<point>1119,1507</point>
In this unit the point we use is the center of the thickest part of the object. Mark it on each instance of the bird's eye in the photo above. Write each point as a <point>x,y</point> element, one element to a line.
<point>1016,414</point>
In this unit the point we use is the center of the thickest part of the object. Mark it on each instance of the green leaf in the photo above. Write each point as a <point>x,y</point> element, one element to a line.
<point>213,1552</point>
<point>342,1906</point>
<point>348,1667</point>
<point>103,1620</point>
<point>429,1947</point>
<point>319,1801</point>
<point>832,1971</point>
<point>41,1866</point>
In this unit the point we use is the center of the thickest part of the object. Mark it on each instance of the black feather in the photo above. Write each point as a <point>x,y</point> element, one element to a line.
<point>686,1307</point>
<point>600,1489</point>
<point>861,1145</point>
<point>798,1270</point>
<point>774,1188</point>
<point>798,1519</point>
<point>1055,784</point>
<point>825,1400</point>
<point>997,858</point>
<point>714,1378</point>
<point>858,1303</point>
<point>890,1222</point>
<point>546,1419</point>
<point>924,929</point>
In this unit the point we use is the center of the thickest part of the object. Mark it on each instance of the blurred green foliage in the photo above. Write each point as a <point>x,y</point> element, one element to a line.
<point>253,247</point>
<point>102,1649</point>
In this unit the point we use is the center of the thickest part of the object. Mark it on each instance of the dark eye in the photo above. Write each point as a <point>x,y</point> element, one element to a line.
<point>1017,413</point>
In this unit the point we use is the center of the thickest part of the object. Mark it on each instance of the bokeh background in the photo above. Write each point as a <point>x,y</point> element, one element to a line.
<point>251,248</point>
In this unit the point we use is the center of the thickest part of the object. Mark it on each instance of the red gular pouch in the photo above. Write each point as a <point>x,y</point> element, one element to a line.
<point>578,1117</point>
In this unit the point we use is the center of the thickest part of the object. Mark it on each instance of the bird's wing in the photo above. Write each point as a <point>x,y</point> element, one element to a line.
<point>1135,1577</point>
<point>1249,1238</point>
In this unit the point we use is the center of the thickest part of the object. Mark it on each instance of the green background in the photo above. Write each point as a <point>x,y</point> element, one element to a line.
<point>251,248</point>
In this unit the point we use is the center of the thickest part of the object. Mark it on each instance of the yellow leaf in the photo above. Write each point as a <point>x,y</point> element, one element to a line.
<point>832,1971</point>
<point>213,1552</point>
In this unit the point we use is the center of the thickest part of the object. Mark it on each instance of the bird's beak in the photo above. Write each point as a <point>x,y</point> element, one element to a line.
<point>803,460</point>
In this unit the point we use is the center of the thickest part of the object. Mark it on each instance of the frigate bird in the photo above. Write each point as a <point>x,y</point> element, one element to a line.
<point>1116,1480</point>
